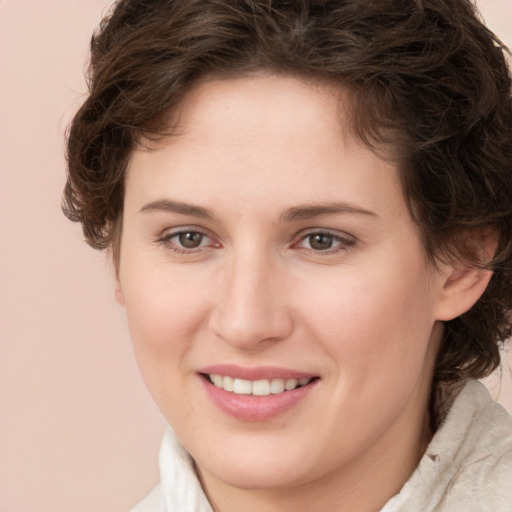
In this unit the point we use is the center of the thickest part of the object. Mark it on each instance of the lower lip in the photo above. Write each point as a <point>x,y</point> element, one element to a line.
<point>256,408</point>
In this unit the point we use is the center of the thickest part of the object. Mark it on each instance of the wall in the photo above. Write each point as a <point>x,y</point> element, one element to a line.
<point>78,430</point>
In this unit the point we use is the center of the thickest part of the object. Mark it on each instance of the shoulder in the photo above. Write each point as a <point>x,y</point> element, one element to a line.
<point>481,475</point>
<point>479,428</point>
<point>153,502</point>
<point>179,488</point>
<point>468,465</point>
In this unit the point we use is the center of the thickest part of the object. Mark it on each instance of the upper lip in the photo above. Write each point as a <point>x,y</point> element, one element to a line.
<point>255,373</point>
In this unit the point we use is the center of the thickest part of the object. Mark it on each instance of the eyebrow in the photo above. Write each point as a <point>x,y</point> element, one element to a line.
<point>167,205</point>
<point>307,212</point>
<point>297,213</point>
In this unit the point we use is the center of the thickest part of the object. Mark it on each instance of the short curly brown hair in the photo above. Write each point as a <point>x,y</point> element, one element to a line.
<point>426,78</point>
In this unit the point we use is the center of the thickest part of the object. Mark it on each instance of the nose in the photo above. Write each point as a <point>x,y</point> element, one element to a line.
<point>251,309</point>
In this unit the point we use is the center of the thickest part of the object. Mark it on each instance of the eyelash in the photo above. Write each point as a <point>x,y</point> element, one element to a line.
<point>342,243</point>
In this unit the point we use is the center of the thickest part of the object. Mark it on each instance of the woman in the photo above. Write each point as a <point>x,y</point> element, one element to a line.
<point>309,209</point>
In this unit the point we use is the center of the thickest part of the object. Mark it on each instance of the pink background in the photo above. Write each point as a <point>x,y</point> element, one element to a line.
<point>78,430</point>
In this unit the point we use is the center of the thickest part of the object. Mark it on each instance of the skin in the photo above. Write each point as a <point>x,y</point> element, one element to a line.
<point>362,313</point>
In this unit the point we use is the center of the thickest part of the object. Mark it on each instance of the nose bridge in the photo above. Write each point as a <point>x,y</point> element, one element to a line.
<point>252,305</point>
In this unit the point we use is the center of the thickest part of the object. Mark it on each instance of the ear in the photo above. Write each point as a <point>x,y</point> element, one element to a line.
<point>461,284</point>
<point>461,291</point>
<point>119,293</point>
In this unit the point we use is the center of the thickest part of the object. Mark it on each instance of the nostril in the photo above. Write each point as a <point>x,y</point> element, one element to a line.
<point>248,329</point>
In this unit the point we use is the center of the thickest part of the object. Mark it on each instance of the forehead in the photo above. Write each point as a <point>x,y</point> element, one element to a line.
<point>266,134</point>
<point>239,96</point>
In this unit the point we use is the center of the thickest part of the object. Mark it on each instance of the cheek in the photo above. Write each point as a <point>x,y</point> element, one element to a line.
<point>163,308</point>
<point>374,321</point>
<point>161,333</point>
<point>164,317</point>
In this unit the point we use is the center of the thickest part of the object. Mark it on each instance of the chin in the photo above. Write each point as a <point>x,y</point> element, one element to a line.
<point>258,469</point>
<point>257,476</point>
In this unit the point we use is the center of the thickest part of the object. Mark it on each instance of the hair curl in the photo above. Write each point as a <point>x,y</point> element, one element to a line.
<point>426,77</point>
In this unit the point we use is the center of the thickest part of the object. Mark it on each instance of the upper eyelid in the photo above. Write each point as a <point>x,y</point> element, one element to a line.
<point>343,235</point>
<point>167,235</point>
<point>169,232</point>
<point>344,240</point>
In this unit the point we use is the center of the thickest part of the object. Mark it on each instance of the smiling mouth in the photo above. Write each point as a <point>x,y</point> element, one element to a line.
<point>263,387</point>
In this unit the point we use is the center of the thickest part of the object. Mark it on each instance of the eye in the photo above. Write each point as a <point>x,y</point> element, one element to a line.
<point>186,240</point>
<point>326,242</point>
<point>320,241</point>
<point>190,239</point>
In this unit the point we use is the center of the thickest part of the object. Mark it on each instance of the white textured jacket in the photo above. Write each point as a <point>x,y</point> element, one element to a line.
<point>467,466</point>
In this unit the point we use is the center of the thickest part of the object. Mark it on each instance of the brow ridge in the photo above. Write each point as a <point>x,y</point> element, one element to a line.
<point>307,212</point>
<point>168,205</point>
<point>296,213</point>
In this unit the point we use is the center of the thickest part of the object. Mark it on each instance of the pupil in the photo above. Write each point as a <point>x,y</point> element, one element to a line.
<point>320,242</point>
<point>190,240</point>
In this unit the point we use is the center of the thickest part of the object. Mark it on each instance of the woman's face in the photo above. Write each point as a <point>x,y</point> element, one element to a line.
<point>263,248</point>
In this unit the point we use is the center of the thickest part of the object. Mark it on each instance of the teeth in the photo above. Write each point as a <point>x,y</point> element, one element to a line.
<point>263,387</point>
<point>290,384</point>
<point>228,383</point>
<point>218,380</point>
<point>242,387</point>
<point>276,386</point>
